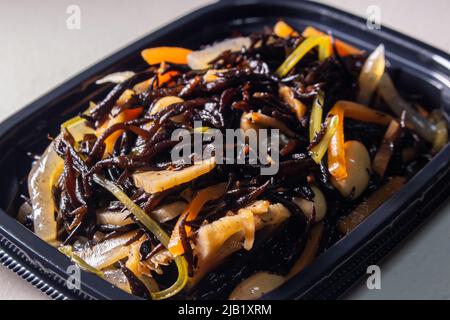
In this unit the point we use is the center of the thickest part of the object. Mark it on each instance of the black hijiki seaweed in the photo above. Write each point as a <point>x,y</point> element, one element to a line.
<point>248,84</point>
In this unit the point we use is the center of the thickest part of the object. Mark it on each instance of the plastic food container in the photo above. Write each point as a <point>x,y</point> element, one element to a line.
<point>424,70</point>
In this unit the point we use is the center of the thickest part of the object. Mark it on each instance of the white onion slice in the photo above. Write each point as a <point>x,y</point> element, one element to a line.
<point>107,252</point>
<point>423,126</point>
<point>371,74</point>
<point>117,278</point>
<point>157,181</point>
<point>199,60</point>
<point>116,77</point>
<point>116,218</point>
<point>168,212</point>
<point>40,181</point>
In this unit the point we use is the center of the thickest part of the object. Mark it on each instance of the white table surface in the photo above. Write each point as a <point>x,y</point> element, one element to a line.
<point>38,52</point>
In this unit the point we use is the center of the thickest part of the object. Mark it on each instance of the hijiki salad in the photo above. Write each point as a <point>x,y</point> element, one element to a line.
<point>107,194</point>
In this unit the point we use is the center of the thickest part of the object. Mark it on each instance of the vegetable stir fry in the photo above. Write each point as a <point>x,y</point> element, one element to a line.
<point>108,193</point>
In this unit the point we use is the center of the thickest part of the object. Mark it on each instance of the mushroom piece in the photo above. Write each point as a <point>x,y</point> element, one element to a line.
<point>358,165</point>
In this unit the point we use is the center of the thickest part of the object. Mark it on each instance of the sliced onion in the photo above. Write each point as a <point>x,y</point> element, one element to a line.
<point>116,77</point>
<point>40,182</point>
<point>169,211</point>
<point>117,278</point>
<point>424,128</point>
<point>157,181</point>
<point>370,75</point>
<point>199,60</point>
<point>115,218</point>
<point>107,252</point>
<point>68,251</point>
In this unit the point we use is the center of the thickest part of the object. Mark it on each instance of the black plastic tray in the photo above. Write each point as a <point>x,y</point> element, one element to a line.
<point>424,70</point>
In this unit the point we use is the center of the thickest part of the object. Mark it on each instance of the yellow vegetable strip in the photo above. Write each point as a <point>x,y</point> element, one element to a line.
<point>307,45</point>
<point>157,231</point>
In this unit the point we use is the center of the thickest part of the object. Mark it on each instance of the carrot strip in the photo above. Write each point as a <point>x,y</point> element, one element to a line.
<point>360,112</point>
<point>343,48</point>
<point>192,211</point>
<point>163,77</point>
<point>126,115</point>
<point>283,30</point>
<point>336,150</point>
<point>322,42</point>
<point>166,54</point>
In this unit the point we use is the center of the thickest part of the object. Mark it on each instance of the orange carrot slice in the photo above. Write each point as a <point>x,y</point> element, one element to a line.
<point>162,79</point>
<point>126,115</point>
<point>336,150</point>
<point>192,211</point>
<point>165,54</point>
<point>283,30</point>
<point>336,153</point>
